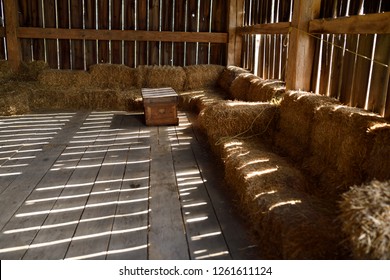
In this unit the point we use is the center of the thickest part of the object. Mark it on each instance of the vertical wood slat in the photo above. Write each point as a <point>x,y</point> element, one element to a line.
<point>90,23</point>
<point>76,10</point>
<point>25,10</point>
<point>13,43</point>
<point>103,11</point>
<point>51,44</point>
<point>179,26</point>
<point>64,45</point>
<point>301,45</point>
<point>129,24</point>
<point>142,25</point>
<point>235,44</point>
<point>2,39</point>
<point>116,24</point>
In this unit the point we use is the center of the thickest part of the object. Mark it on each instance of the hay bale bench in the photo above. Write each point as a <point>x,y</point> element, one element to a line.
<point>291,158</point>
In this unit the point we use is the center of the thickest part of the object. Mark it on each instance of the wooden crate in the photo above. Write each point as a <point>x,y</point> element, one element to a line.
<point>160,106</point>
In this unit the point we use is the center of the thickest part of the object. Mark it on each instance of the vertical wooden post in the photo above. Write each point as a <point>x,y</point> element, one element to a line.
<point>11,26</point>
<point>301,45</point>
<point>236,13</point>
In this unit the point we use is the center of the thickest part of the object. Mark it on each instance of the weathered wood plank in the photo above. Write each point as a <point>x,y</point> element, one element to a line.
<point>90,23</point>
<point>64,45</point>
<point>266,28</point>
<point>362,24</point>
<point>236,12</point>
<point>166,236</point>
<point>76,9</point>
<point>13,43</point>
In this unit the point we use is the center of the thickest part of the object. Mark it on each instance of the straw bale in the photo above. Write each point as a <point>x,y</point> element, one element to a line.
<point>113,76</point>
<point>14,98</point>
<point>65,78</point>
<point>202,76</point>
<point>241,85</point>
<point>365,214</point>
<point>272,194</point>
<point>228,75</point>
<point>197,100</point>
<point>377,165</point>
<point>165,76</point>
<point>141,75</point>
<point>266,90</point>
<point>5,70</point>
<point>340,142</point>
<point>130,100</point>
<point>31,70</point>
<point>235,119</point>
<point>297,111</point>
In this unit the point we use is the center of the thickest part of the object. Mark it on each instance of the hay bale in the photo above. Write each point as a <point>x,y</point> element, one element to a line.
<point>65,78</point>
<point>165,76</point>
<point>365,214</point>
<point>31,70</point>
<point>202,76</point>
<point>113,76</point>
<point>130,100</point>
<point>340,143</point>
<point>266,90</point>
<point>272,195</point>
<point>297,111</point>
<point>235,119</point>
<point>197,100</point>
<point>377,164</point>
<point>241,85</point>
<point>5,70</point>
<point>14,98</point>
<point>228,75</point>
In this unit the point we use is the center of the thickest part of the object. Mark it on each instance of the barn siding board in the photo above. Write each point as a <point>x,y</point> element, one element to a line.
<point>142,25</point>
<point>76,11</point>
<point>116,24</point>
<point>129,24</point>
<point>90,23</point>
<point>2,33</point>
<point>64,45</point>
<point>103,23</point>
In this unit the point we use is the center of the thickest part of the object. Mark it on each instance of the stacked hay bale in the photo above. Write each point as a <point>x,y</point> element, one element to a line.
<point>237,120</point>
<point>161,76</point>
<point>297,112</point>
<point>228,75</point>
<point>202,76</point>
<point>365,212</point>
<point>340,143</point>
<point>266,90</point>
<point>240,86</point>
<point>14,98</point>
<point>66,79</point>
<point>113,76</point>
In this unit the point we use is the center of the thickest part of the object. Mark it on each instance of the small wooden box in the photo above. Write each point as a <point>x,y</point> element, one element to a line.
<point>160,106</point>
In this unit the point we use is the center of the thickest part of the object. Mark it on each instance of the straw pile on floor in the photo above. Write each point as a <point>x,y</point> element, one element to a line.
<point>297,111</point>
<point>240,86</point>
<point>202,76</point>
<point>113,76</point>
<point>228,75</point>
<point>340,143</point>
<point>365,212</point>
<point>235,120</point>
<point>164,76</point>
<point>66,79</point>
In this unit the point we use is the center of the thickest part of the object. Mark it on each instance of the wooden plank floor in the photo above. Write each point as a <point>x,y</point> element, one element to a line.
<point>102,185</point>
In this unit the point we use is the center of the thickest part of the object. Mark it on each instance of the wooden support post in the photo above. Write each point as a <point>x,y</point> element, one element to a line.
<point>11,26</point>
<point>302,45</point>
<point>236,13</point>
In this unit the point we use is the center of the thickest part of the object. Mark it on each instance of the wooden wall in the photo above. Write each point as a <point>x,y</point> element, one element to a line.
<point>132,49</point>
<point>2,32</point>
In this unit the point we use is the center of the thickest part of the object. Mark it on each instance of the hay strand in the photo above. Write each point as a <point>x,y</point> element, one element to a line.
<point>365,213</point>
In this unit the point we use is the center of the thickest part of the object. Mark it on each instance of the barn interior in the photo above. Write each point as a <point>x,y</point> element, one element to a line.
<point>274,142</point>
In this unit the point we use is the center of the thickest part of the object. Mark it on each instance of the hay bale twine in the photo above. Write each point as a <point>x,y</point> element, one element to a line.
<point>241,85</point>
<point>365,214</point>
<point>165,76</point>
<point>228,75</point>
<point>266,90</point>
<point>202,76</point>
<point>377,164</point>
<point>297,110</point>
<point>65,78</point>
<point>340,143</point>
<point>235,119</point>
<point>113,76</point>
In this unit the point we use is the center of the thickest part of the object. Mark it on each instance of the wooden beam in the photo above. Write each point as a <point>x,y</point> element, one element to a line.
<point>125,35</point>
<point>362,24</point>
<point>2,31</point>
<point>236,14</point>
<point>269,28</point>
<point>11,25</point>
<point>301,45</point>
